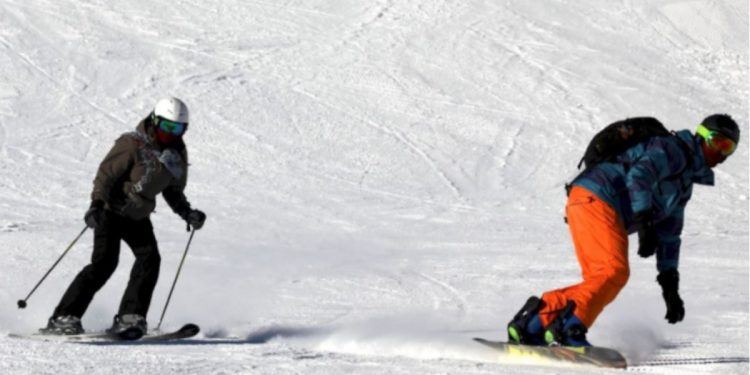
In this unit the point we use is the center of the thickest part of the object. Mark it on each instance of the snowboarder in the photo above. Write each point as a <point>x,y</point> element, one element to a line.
<point>643,191</point>
<point>141,164</point>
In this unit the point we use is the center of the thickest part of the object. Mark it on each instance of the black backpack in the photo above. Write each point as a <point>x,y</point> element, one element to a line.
<point>619,136</point>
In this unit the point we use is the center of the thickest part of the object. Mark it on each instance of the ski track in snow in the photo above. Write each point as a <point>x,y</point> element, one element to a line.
<point>406,142</point>
<point>383,180</point>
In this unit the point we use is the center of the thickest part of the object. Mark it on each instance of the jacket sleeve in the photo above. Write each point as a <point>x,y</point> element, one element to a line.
<point>653,161</point>
<point>669,231</point>
<point>174,194</point>
<point>113,168</point>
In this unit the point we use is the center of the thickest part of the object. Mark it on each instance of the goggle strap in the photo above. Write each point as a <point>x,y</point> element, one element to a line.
<point>704,132</point>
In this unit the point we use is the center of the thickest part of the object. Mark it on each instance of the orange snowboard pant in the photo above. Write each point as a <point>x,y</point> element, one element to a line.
<point>601,244</point>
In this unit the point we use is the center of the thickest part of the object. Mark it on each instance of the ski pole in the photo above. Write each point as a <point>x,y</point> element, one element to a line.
<point>22,302</point>
<point>179,268</point>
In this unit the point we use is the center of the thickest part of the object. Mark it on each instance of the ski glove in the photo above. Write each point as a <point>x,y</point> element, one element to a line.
<point>669,281</point>
<point>95,214</point>
<point>648,240</point>
<point>194,218</point>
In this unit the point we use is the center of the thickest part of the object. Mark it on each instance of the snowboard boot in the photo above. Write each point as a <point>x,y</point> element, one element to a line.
<point>63,325</point>
<point>526,327</point>
<point>566,329</point>
<point>125,322</point>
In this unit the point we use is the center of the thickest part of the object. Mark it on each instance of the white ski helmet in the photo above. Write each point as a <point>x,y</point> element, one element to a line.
<point>172,109</point>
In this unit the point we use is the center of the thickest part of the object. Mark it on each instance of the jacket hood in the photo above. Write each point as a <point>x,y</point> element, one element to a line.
<point>145,131</point>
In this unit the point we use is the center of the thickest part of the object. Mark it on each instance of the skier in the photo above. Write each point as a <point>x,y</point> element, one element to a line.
<point>645,191</point>
<point>140,165</point>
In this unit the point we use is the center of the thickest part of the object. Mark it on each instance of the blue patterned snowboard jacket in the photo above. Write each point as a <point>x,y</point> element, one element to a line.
<point>658,175</point>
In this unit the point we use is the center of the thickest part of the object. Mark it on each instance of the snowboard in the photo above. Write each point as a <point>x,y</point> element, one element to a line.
<point>591,355</point>
<point>131,334</point>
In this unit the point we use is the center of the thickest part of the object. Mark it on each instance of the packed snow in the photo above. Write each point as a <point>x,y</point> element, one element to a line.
<point>383,179</point>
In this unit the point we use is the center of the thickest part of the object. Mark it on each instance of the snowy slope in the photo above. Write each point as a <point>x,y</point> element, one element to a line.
<point>383,179</point>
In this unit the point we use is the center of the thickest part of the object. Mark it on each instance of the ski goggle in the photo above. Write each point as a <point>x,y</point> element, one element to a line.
<point>717,141</point>
<point>172,127</point>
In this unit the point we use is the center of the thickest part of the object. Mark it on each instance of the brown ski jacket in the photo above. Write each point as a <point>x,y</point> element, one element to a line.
<point>137,169</point>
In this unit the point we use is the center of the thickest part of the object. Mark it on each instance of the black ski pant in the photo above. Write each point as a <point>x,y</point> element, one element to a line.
<point>139,235</point>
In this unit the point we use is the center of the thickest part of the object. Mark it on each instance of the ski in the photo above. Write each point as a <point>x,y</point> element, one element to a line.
<point>187,331</point>
<point>591,355</point>
<point>129,334</point>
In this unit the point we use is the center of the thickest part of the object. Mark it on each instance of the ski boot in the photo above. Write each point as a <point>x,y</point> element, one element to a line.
<point>63,325</point>
<point>566,329</point>
<point>127,322</point>
<point>526,327</point>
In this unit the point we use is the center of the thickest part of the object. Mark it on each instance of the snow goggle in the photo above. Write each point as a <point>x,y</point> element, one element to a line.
<point>172,127</point>
<point>717,141</point>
